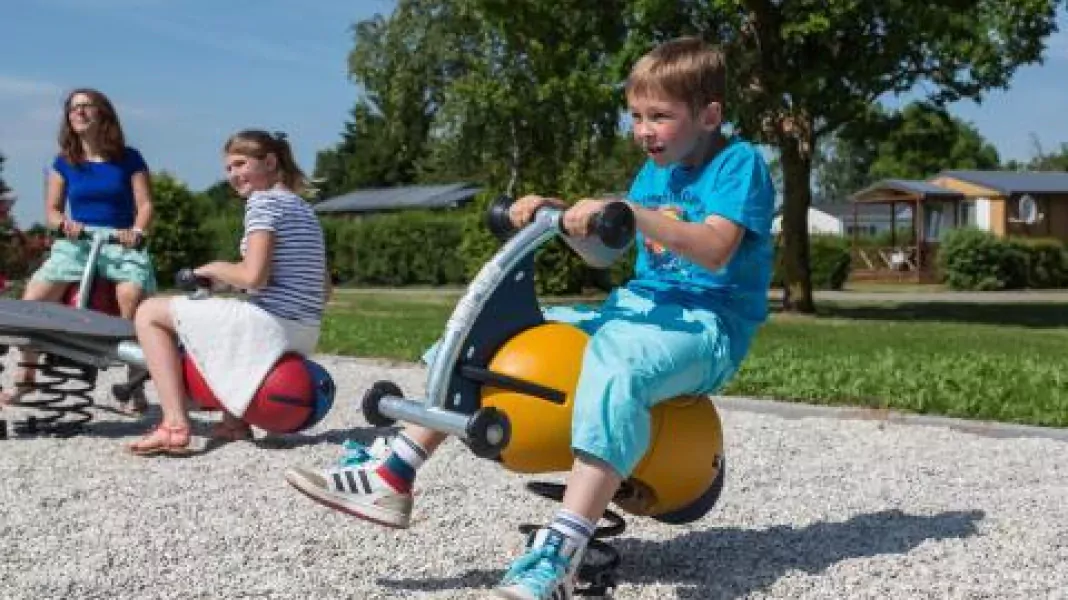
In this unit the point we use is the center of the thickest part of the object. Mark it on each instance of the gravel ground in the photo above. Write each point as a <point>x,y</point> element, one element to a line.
<point>813,508</point>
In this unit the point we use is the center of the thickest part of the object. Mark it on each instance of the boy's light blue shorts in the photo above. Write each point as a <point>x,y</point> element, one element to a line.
<point>67,259</point>
<point>639,354</point>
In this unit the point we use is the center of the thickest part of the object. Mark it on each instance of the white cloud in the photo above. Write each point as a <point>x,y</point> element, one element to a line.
<point>18,87</point>
<point>226,41</point>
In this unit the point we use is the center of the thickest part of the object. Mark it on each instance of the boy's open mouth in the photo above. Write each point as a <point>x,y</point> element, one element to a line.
<point>655,149</point>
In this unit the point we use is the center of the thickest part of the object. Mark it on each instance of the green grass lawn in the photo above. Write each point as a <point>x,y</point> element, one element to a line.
<point>999,362</point>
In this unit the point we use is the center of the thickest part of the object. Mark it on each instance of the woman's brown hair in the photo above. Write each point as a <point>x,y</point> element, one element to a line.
<point>110,142</point>
<point>258,144</point>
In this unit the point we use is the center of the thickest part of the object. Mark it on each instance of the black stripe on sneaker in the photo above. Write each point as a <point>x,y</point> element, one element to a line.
<point>364,481</point>
<point>339,485</point>
<point>352,482</point>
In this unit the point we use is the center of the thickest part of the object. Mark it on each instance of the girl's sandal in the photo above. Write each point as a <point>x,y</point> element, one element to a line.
<point>164,439</point>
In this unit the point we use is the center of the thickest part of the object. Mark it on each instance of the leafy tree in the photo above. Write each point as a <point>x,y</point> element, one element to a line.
<point>358,161</point>
<point>922,140</point>
<point>913,143</point>
<point>1056,160</point>
<point>176,240</point>
<point>220,199</point>
<point>802,69</point>
<point>401,63</point>
<point>7,227</point>
<point>3,184</point>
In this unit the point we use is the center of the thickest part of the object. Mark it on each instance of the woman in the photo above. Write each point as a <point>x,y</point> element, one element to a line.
<point>95,182</point>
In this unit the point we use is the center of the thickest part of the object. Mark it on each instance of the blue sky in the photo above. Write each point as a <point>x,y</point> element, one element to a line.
<point>184,75</point>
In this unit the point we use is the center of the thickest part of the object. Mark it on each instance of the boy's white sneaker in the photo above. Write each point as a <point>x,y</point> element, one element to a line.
<point>355,487</point>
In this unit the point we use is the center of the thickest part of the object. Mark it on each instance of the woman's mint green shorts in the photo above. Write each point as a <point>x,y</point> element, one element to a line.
<point>67,259</point>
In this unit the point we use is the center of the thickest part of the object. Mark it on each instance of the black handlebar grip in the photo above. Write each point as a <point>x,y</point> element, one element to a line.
<point>614,225</point>
<point>497,219</point>
<point>186,280</point>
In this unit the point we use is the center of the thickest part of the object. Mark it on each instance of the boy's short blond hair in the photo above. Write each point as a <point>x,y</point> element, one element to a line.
<point>684,70</point>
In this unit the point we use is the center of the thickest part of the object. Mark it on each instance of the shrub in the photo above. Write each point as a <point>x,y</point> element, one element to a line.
<point>1045,262</point>
<point>557,269</point>
<point>971,259</point>
<point>176,239</point>
<point>830,260</point>
<point>405,248</point>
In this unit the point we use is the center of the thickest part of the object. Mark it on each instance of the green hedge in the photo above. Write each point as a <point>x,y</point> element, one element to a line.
<point>971,259</point>
<point>830,260</point>
<point>449,247</point>
<point>407,248</point>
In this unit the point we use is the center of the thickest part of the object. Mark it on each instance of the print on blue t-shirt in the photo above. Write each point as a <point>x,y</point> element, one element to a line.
<point>100,193</point>
<point>735,185</point>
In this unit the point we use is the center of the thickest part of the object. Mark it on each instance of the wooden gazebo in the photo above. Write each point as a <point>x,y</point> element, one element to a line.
<point>911,259</point>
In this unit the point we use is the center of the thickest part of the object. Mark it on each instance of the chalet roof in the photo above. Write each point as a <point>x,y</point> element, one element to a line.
<point>909,186</point>
<point>1015,182</point>
<point>397,198</point>
<point>864,211</point>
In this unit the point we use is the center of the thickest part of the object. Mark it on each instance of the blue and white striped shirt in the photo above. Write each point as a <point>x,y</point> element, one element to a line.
<point>296,288</point>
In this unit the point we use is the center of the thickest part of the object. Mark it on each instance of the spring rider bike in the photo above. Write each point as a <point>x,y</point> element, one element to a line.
<point>503,380</point>
<point>83,335</point>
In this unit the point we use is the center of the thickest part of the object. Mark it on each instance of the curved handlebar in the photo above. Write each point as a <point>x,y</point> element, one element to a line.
<point>188,281</point>
<point>83,235</point>
<point>614,226</point>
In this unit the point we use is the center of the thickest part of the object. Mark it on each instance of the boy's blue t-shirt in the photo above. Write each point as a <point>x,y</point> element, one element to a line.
<point>101,193</point>
<point>736,185</point>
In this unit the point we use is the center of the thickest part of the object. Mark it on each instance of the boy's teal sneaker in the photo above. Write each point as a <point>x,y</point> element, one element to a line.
<point>546,572</point>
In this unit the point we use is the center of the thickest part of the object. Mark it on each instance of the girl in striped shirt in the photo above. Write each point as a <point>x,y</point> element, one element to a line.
<point>234,343</point>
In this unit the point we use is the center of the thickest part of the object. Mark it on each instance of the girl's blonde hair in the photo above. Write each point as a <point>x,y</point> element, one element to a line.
<point>258,144</point>
<point>684,70</point>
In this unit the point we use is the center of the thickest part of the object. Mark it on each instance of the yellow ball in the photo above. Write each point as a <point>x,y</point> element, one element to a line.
<point>686,438</point>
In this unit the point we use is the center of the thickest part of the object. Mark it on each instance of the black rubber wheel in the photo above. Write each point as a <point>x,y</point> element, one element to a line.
<point>488,432</point>
<point>373,397</point>
<point>700,507</point>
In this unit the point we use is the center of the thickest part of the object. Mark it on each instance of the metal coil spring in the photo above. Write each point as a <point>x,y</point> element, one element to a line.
<point>3,422</point>
<point>64,391</point>
<point>598,569</point>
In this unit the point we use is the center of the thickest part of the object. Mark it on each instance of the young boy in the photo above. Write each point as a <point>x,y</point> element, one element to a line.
<point>703,207</point>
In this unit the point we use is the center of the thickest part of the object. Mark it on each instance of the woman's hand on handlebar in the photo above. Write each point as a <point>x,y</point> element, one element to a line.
<point>128,237</point>
<point>522,210</point>
<point>577,219</point>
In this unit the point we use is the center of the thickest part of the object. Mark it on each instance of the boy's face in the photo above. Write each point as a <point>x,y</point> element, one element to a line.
<point>669,130</point>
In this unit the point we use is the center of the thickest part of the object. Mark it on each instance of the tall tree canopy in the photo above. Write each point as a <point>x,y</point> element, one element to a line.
<point>526,94</point>
<point>3,184</point>
<point>913,143</point>
<point>1042,160</point>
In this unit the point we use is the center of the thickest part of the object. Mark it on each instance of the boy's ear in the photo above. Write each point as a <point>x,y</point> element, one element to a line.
<point>712,116</point>
<point>271,161</point>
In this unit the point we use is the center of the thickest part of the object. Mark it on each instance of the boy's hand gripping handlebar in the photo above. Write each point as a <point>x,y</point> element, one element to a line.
<point>612,229</point>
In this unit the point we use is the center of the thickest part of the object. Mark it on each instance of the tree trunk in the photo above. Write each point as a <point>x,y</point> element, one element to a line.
<point>797,197</point>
